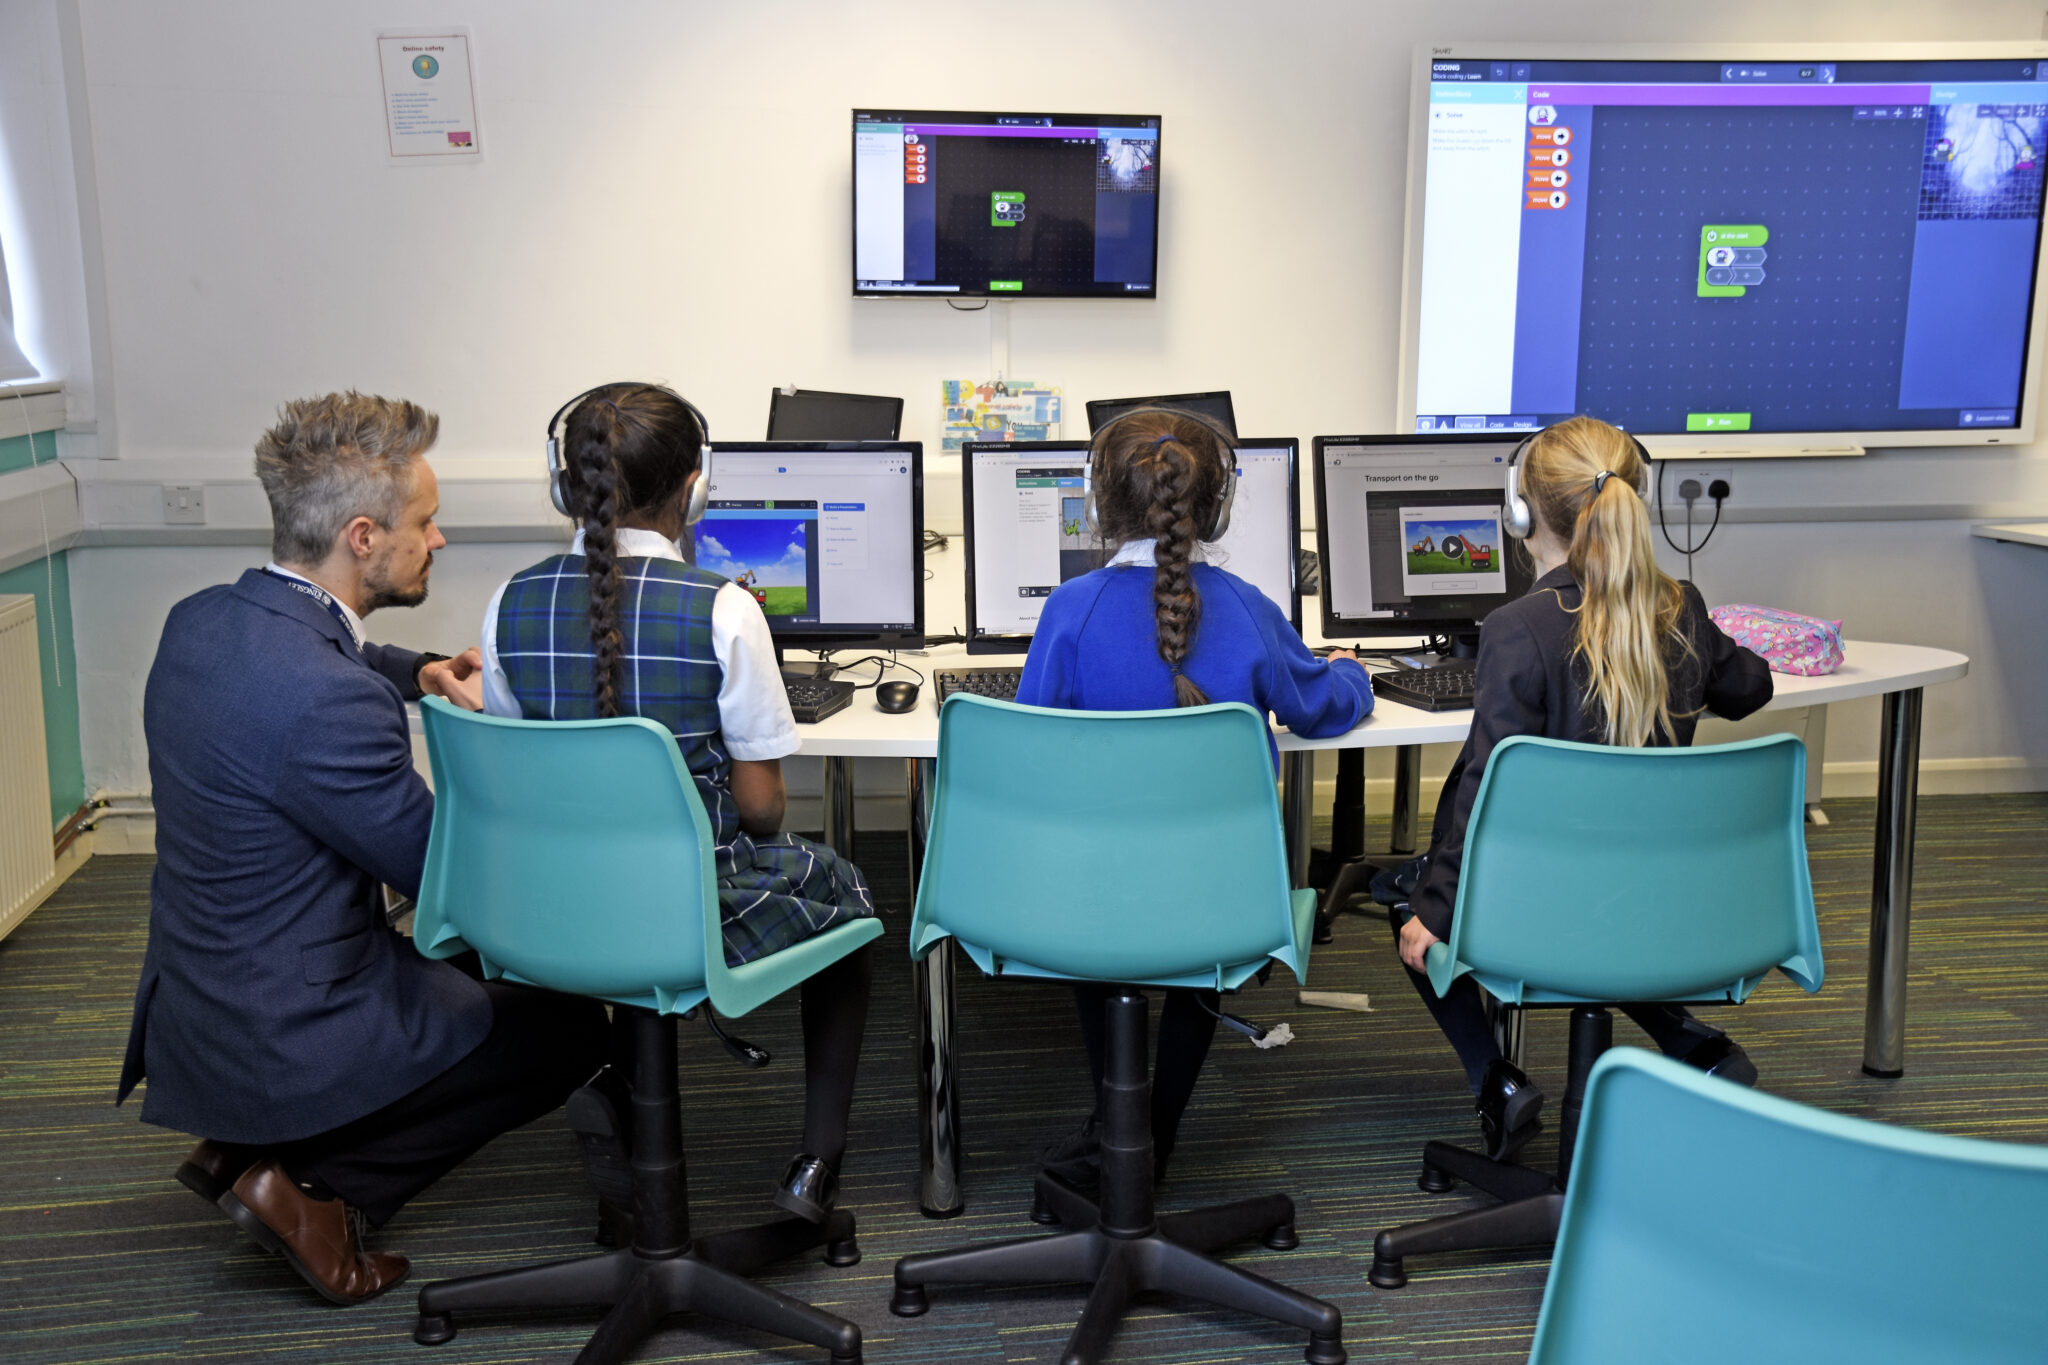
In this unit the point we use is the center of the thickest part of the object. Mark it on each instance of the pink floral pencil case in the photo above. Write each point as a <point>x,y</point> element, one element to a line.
<point>1786,640</point>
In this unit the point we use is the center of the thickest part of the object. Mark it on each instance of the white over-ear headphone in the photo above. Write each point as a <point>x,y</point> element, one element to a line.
<point>1517,518</point>
<point>558,469</point>
<point>1226,445</point>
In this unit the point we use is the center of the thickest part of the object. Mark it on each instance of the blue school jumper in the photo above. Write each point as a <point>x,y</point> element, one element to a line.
<point>772,891</point>
<point>1097,649</point>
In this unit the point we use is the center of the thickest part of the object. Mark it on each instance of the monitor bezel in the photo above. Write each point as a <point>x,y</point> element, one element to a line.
<point>1334,628</point>
<point>831,639</point>
<point>1729,445</point>
<point>1021,644</point>
<point>936,115</point>
<point>1165,400</point>
<point>777,397</point>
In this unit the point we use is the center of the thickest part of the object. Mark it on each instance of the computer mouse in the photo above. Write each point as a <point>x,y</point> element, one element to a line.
<point>895,696</point>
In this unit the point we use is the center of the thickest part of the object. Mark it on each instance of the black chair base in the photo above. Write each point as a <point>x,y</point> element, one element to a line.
<point>1119,1247</point>
<point>1532,1201</point>
<point>666,1271</point>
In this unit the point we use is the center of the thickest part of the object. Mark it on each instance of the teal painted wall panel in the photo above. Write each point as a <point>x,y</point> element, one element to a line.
<point>60,701</point>
<point>14,451</point>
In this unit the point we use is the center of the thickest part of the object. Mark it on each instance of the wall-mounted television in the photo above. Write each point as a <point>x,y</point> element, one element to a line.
<point>1749,249</point>
<point>1005,205</point>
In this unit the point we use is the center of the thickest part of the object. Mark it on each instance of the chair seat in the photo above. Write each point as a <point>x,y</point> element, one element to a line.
<point>1512,991</point>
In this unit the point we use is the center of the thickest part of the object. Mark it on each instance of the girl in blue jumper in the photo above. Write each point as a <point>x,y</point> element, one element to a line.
<point>1159,627</point>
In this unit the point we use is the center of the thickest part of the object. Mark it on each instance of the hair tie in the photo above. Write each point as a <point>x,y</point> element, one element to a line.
<point>1600,481</point>
<point>1169,436</point>
<point>1174,669</point>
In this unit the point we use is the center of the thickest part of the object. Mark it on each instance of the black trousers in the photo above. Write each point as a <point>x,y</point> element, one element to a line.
<point>1461,1014</point>
<point>540,1047</point>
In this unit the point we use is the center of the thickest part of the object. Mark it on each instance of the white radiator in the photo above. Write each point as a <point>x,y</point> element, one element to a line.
<point>26,865</point>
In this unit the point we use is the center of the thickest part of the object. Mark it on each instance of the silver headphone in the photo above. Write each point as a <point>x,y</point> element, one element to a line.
<point>558,469</point>
<point>1517,518</point>
<point>1226,443</point>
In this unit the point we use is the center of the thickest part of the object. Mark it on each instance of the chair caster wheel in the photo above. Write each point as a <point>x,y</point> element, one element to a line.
<point>842,1253</point>
<point>1041,1212</point>
<point>432,1329</point>
<point>1435,1181</point>
<point>848,1352</point>
<point>1283,1238</point>
<point>1387,1272</point>
<point>1324,1350</point>
<point>909,1301</point>
<point>853,1359</point>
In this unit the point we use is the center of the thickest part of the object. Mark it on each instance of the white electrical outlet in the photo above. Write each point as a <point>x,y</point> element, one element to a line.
<point>184,504</point>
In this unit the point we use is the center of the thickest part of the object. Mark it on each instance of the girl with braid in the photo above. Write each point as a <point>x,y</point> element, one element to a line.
<point>1160,627</point>
<point>621,625</point>
<point>1606,648</point>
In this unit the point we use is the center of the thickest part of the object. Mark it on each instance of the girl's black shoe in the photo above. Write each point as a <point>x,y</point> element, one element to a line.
<point>808,1188</point>
<point>1722,1056</point>
<point>1508,1108</point>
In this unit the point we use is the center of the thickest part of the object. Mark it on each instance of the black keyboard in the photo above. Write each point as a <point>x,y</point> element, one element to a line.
<point>1000,683</point>
<point>1445,687</point>
<point>812,701</point>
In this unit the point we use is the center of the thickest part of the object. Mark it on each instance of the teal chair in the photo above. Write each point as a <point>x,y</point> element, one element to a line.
<point>1709,1222</point>
<point>1597,876</point>
<point>576,856</point>
<point>1132,849</point>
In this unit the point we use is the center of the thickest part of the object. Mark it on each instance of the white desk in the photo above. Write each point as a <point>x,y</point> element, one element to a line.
<point>1898,673</point>
<point>2016,532</point>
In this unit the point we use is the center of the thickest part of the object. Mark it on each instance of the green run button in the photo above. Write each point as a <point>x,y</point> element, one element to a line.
<point>1717,421</point>
<point>1006,286</point>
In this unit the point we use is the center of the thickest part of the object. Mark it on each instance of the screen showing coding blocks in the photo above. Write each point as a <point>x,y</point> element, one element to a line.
<point>1686,247</point>
<point>997,205</point>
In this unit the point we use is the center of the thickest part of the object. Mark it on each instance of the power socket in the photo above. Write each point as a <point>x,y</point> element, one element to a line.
<point>184,504</point>
<point>1707,474</point>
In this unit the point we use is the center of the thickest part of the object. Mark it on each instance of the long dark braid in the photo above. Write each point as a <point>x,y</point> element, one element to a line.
<point>1154,477</point>
<point>630,448</point>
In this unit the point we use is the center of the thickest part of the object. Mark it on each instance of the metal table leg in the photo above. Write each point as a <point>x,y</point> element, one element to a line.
<point>938,1093</point>
<point>1407,798</point>
<point>1891,889</point>
<point>838,798</point>
<point>1297,794</point>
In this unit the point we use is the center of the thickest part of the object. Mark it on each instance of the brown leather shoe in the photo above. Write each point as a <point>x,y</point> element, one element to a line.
<point>321,1238</point>
<point>210,1169</point>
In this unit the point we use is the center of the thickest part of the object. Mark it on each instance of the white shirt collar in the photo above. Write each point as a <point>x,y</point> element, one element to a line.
<point>348,614</point>
<point>633,543</point>
<point>1143,552</point>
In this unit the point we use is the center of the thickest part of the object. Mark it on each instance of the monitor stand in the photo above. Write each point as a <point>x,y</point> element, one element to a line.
<point>804,670</point>
<point>1462,644</point>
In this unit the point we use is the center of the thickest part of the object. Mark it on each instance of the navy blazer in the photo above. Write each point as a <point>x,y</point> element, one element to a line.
<point>1531,683</point>
<point>274,1002</point>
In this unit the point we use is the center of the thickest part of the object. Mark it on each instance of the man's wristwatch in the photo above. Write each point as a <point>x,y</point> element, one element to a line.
<point>421,667</point>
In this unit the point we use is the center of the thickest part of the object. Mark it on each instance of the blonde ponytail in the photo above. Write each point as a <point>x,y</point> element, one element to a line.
<point>1629,619</point>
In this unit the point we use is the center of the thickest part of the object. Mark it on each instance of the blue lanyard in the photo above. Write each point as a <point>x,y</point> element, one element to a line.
<point>323,597</point>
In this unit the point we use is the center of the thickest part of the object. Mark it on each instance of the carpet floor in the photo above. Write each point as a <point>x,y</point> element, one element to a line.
<point>105,1258</point>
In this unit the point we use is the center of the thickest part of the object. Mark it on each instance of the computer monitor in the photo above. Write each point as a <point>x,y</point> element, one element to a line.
<point>827,535</point>
<point>1214,406</point>
<point>1744,248</point>
<point>997,205</point>
<point>1027,534</point>
<point>816,415</point>
<point>1409,531</point>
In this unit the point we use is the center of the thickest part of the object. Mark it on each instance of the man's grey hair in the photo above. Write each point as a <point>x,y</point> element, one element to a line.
<point>332,459</point>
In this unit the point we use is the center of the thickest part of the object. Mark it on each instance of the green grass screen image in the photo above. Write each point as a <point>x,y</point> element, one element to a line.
<point>768,555</point>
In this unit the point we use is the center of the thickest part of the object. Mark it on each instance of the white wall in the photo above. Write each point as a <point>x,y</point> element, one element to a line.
<point>663,193</point>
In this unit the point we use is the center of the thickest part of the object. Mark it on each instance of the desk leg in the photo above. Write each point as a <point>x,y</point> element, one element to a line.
<point>1407,798</point>
<point>1816,751</point>
<point>938,1094</point>
<point>838,798</point>
<point>1891,889</point>
<point>1297,794</point>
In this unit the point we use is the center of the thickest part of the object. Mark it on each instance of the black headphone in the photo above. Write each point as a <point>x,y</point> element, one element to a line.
<point>558,469</point>
<point>1517,518</point>
<point>1226,443</point>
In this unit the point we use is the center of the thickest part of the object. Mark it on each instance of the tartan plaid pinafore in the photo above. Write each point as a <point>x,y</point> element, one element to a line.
<point>773,891</point>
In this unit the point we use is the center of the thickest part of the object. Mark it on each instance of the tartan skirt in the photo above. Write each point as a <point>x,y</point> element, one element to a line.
<point>782,889</point>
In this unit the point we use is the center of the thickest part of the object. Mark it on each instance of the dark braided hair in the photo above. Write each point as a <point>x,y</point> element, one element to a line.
<point>1159,475</point>
<point>629,448</point>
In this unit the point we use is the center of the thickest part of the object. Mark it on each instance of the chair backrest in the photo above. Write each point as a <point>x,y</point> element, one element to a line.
<point>1138,847</point>
<point>1611,874</point>
<point>574,855</point>
<point>1705,1221</point>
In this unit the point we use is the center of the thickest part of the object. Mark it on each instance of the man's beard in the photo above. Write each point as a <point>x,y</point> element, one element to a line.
<point>378,593</point>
